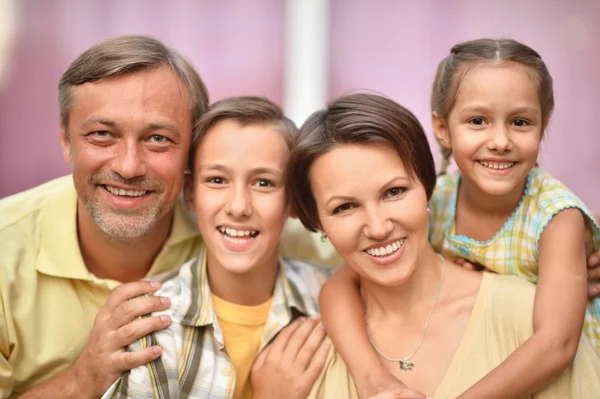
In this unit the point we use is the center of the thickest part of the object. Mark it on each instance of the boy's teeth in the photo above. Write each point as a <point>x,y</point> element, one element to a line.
<point>387,250</point>
<point>124,193</point>
<point>497,165</point>
<point>227,231</point>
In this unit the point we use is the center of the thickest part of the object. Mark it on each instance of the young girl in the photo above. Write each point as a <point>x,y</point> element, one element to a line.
<point>491,102</point>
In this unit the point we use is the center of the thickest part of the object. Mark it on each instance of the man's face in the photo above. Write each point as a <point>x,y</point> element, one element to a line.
<point>128,139</point>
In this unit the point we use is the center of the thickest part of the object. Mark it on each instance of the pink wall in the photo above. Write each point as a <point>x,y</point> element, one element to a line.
<point>391,46</point>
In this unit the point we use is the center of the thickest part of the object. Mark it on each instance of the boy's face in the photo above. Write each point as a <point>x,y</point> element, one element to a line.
<point>238,195</point>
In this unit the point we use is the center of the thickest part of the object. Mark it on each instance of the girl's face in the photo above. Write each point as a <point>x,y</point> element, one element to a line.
<point>373,212</point>
<point>495,127</point>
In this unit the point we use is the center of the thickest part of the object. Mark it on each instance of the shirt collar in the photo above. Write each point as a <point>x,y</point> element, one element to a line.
<point>287,304</point>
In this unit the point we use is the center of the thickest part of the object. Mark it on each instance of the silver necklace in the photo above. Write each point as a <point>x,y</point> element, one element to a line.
<point>404,362</point>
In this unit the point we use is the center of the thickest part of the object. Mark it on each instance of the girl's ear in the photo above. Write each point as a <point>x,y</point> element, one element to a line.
<point>440,129</point>
<point>188,190</point>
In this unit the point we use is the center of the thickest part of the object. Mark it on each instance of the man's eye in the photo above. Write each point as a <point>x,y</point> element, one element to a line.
<point>157,138</point>
<point>343,208</point>
<point>101,133</point>
<point>264,183</point>
<point>520,122</point>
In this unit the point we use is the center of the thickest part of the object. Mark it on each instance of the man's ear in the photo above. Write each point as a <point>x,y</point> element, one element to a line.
<point>440,129</point>
<point>65,145</point>
<point>188,190</point>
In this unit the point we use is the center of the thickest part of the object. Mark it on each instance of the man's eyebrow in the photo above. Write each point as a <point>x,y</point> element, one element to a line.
<point>100,121</point>
<point>164,126</point>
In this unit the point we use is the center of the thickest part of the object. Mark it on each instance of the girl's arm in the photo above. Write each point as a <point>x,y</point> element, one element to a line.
<point>344,320</point>
<point>558,314</point>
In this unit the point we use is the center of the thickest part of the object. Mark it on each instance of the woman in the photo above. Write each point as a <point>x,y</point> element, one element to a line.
<point>362,173</point>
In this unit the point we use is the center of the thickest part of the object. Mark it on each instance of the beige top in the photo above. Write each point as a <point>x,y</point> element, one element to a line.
<point>501,320</point>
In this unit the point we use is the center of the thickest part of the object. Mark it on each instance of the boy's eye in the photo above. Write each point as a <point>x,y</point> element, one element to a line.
<point>520,122</point>
<point>216,180</point>
<point>343,208</point>
<point>395,191</point>
<point>264,183</point>
<point>477,121</point>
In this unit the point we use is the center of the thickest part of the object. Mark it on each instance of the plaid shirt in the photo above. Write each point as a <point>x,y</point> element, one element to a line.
<point>514,249</point>
<point>194,362</point>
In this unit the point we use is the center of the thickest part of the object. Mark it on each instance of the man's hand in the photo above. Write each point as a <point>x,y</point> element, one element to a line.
<point>116,326</point>
<point>290,365</point>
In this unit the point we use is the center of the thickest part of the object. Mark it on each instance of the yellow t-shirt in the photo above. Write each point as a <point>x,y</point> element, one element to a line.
<point>242,327</point>
<point>501,320</point>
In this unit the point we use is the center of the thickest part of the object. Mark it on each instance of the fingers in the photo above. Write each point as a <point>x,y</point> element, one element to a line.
<point>129,290</point>
<point>131,332</point>
<point>467,265</point>
<point>128,360</point>
<point>593,261</point>
<point>280,342</point>
<point>317,363</point>
<point>129,310</point>
<point>593,290</point>
<point>311,345</point>
<point>261,358</point>
<point>300,337</point>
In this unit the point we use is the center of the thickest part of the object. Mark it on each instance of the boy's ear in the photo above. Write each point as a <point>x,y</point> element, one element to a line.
<point>440,129</point>
<point>65,144</point>
<point>188,190</point>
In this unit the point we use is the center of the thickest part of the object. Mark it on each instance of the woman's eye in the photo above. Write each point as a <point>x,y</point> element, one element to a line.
<point>264,183</point>
<point>477,121</point>
<point>394,192</point>
<point>343,208</point>
<point>216,180</point>
<point>520,122</point>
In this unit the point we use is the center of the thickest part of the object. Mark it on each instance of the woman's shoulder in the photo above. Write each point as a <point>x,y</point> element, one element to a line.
<point>335,380</point>
<point>509,301</point>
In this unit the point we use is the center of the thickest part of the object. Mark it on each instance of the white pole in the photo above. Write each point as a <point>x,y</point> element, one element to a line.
<point>306,57</point>
<point>306,88</point>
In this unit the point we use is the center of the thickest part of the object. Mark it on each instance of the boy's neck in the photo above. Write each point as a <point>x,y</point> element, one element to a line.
<point>252,288</point>
<point>108,258</point>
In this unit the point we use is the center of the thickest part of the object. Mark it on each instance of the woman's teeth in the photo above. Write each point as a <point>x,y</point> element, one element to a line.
<point>387,250</point>
<point>497,165</point>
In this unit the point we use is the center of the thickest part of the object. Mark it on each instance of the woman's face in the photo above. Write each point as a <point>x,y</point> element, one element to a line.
<point>373,212</point>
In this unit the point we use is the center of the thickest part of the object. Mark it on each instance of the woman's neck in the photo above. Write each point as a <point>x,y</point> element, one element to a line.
<point>408,300</point>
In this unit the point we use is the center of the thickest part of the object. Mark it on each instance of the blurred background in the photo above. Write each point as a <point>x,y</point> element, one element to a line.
<point>299,53</point>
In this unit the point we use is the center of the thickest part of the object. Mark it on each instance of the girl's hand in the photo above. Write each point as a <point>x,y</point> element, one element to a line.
<point>593,262</point>
<point>400,392</point>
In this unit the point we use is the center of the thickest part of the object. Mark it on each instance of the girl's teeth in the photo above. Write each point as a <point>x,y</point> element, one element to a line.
<point>387,250</point>
<point>497,166</point>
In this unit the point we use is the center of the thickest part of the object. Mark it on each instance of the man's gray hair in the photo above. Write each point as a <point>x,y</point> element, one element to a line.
<point>129,54</point>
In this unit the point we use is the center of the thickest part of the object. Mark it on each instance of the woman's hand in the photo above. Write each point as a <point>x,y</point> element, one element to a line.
<point>290,365</point>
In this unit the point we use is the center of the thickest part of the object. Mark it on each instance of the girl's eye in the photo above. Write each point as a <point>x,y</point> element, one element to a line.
<point>343,208</point>
<point>520,122</point>
<point>477,121</point>
<point>264,183</point>
<point>394,192</point>
<point>216,180</point>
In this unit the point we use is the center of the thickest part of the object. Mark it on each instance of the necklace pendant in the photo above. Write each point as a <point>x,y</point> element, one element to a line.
<point>406,365</point>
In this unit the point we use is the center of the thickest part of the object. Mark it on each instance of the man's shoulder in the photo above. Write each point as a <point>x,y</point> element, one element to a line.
<point>22,208</point>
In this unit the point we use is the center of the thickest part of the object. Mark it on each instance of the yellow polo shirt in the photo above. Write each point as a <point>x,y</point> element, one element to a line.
<point>48,299</point>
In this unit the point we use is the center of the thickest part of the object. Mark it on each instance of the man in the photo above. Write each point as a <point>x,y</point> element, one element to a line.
<point>127,107</point>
